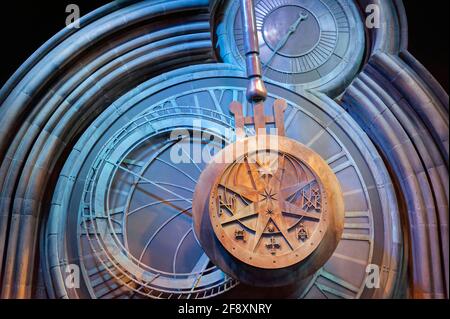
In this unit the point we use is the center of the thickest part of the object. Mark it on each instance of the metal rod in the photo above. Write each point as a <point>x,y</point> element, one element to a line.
<point>256,90</point>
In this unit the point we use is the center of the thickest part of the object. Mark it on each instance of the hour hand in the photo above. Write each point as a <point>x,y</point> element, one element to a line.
<point>302,17</point>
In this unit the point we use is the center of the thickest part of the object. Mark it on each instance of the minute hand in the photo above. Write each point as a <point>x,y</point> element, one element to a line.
<point>285,39</point>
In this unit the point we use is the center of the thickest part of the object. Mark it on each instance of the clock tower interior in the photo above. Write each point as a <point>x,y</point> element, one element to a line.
<point>194,149</point>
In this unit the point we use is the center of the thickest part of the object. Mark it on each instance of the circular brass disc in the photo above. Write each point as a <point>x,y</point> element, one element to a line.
<point>268,207</point>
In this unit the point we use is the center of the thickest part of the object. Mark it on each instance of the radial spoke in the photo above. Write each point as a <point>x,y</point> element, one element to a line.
<point>149,181</point>
<point>291,209</point>
<point>156,203</point>
<point>294,189</point>
<point>159,230</point>
<point>245,212</point>
<point>177,169</point>
<point>201,264</point>
<point>175,257</point>
<point>244,191</point>
<point>261,225</point>
<point>199,269</point>
<point>192,161</point>
<point>251,172</point>
<point>190,190</point>
<point>281,225</point>
<point>278,176</point>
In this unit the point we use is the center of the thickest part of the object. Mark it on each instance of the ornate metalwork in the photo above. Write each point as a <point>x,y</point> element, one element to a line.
<point>302,232</point>
<point>269,204</point>
<point>275,184</point>
<point>240,235</point>
<point>273,245</point>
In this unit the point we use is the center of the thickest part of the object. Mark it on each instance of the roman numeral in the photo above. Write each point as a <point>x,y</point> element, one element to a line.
<point>291,112</point>
<point>357,226</point>
<point>356,237</point>
<point>216,100</point>
<point>100,229</point>
<point>338,281</point>
<point>342,166</point>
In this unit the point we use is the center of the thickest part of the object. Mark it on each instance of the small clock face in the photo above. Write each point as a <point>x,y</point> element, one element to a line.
<point>276,25</point>
<point>303,43</point>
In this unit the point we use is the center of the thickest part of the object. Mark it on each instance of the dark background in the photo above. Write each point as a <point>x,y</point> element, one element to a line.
<point>26,24</point>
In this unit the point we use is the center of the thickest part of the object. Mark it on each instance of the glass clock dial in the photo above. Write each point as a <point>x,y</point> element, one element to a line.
<point>303,43</point>
<point>138,211</point>
<point>123,205</point>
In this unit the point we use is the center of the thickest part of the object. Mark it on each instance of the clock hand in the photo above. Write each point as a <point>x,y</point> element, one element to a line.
<point>285,39</point>
<point>280,45</point>
<point>294,26</point>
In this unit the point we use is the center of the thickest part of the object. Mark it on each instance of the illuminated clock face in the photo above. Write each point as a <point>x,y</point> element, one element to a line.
<point>125,196</point>
<point>303,43</point>
<point>138,210</point>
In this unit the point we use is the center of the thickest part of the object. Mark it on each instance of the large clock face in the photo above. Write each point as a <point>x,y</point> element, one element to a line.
<point>124,212</point>
<point>138,210</point>
<point>303,43</point>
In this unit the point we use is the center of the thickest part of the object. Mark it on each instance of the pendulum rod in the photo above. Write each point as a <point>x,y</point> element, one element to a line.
<point>256,90</point>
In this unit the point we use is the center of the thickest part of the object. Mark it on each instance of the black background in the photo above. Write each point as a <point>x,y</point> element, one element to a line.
<point>26,24</point>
